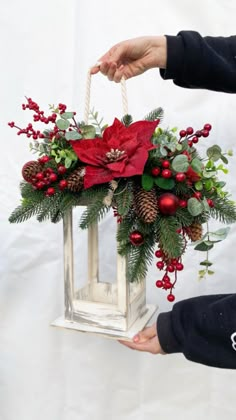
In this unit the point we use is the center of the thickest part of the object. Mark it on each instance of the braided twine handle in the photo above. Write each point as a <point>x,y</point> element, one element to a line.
<point>88,94</point>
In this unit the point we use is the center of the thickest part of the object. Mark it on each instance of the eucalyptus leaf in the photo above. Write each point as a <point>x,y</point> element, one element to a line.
<point>58,159</point>
<point>203,247</point>
<point>197,165</point>
<point>180,163</point>
<point>208,184</point>
<point>209,174</point>
<point>67,115</point>
<point>63,124</point>
<point>73,135</point>
<point>165,183</point>
<point>194,206</point>
<point>88,132</point>
<point>219,235</point>
<point>68,162</point>
<point>163,151</point>
<point>214,152</point>
<point>206,263</point>
<point>224,159</point>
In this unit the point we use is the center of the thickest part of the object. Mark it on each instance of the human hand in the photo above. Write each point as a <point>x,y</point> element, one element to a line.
<point>146,340</point>
<point>132,57</point>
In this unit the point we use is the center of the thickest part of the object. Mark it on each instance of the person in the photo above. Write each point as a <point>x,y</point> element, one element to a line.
<point>202,328</point>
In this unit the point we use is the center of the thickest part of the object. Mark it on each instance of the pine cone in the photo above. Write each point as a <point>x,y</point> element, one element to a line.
<point>145,204</point>
<point>194,232</point>
<point>76,180</point>
<point>30,169</point>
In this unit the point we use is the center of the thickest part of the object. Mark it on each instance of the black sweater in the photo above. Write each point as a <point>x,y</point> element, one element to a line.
<point>202,328</point>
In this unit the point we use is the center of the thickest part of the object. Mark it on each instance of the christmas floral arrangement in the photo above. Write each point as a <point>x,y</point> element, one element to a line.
<point>159,188</point>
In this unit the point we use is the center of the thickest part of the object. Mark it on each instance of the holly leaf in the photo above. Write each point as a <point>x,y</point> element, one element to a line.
<point>147,182</point>
<point>165,183</point>
<point>180,163</point>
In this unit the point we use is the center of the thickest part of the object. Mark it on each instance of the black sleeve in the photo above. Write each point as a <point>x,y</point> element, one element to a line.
<point>203,329</point>
<point>202,63</point>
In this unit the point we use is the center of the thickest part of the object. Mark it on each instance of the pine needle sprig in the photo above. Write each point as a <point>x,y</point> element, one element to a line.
<point>127,120</point>
<point>93,213</point>
<point>224,210</point>
<point>24,212</point>
<point>123,197</point>
<point>170,241</point>
<point>155,114</point>
<point>139,258</point>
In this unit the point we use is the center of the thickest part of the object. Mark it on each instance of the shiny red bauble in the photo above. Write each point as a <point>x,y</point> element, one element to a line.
<point>136,238</point>
<point>168,204</point>
<point>166,173</point>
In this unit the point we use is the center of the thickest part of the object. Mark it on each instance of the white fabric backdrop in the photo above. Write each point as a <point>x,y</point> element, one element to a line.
<point>52,374</point>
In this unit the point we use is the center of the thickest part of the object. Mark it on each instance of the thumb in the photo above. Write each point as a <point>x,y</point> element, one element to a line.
<point>146,334</point>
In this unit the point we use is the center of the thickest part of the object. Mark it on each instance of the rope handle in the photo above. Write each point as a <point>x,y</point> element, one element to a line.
<point>88,95</point>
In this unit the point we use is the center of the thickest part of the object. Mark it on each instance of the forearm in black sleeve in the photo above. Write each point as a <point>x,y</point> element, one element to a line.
<point>200,62</point>
<point>203,329</point>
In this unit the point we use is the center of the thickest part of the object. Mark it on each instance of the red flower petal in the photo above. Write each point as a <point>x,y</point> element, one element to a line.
<point>94,175</point>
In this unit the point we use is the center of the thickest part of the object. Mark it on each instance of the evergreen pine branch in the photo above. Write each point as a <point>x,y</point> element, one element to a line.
<point>24,212</point>
<point>49,206</point>
<point>139,258</point>
<point>170,241</point>
<point>156,114</point>
<point>93,213</point>
<point>184,217</point>
<point>224,210</point>
<point>181,189</point>
<point>127,120</point>
<point>123,197</point>
<point>30,194</point>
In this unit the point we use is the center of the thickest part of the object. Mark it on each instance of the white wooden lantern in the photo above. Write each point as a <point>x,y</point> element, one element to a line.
<point>116,309</point>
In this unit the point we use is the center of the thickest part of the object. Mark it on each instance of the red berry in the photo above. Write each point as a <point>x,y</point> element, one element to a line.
<point>171,297</point>
<point>182,133</point>
<point>50,191</point>
<point>167,285</point>
<point>49,171</point>
<point>179,230</point>
<point>166,278</point>
<point>165,164</point>
<point>170,268</point>
<point>39,176</point>
<point>159,283</point>
<point>190,143</point>
<point>61,169</point>
<point>44,159</point>
<point>155,171</point>
<point>195,139</point>
<point>207,127</point>
<point>160,265</point>
<point>53,177</point>
<point>197,195</point>
<point>166,173</point>
<point>179,266</point>
<point>210,202</point>
<point>158,253</point>
<point>63,184</point>
<point>39,185</point>
<point>205,133</point>
<point>183,203</point>
<point>198,133</point>
<point>174,261</point>
<point>180,177</point>
<point>189,130</point>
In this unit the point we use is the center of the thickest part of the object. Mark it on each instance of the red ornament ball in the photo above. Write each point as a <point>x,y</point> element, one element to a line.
<point>136,238</point>
<point>165,164</point>
<point>168,204</point>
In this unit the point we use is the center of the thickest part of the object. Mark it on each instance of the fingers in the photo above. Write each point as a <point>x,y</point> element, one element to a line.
<point>146,334</point>
<point>151,346</point>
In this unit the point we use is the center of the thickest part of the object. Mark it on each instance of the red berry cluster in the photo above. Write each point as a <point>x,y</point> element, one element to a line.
<point>48,176</point>
<point>192,136</point>
<point>170,266</point>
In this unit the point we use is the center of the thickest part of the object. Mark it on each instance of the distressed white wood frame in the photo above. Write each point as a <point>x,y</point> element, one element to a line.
<point>114,309</point>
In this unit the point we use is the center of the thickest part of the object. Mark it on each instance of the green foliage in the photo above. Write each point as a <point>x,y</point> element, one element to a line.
<point>156,114</point>
<point>139,258</point>
<point>123,197</point>
<point>183,217</point>
<point>180,163</point>
<point>170,241</point>
<point>95,210</point>
<point>127,120</point>
<point>224,210</point>
<point>147,182</point>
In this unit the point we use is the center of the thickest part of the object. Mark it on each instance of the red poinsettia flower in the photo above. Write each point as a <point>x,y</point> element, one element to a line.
<point>121,152</point>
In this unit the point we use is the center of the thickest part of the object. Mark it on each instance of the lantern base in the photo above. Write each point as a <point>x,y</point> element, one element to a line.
<point>127,335</point>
